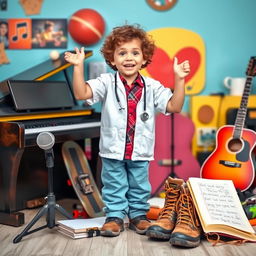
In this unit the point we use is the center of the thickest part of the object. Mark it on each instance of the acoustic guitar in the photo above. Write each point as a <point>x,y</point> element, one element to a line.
<point>232,157</point>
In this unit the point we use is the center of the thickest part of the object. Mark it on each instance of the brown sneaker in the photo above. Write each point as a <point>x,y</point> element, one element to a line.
<point>163,226</point>
<point>139,224</point>
<point>112,227</point>
<point>187,231</point>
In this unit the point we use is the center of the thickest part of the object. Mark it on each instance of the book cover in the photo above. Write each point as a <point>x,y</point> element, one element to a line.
<point>81,225</point>
<point>89,233</point>
<point>219,208</point>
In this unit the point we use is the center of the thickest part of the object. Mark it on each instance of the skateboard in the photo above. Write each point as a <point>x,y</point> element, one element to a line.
<point>82,179</point>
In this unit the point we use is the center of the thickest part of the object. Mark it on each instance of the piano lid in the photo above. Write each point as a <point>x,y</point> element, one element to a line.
<point>39,73</point>
<point>46,69</point>
<point>30,95</point>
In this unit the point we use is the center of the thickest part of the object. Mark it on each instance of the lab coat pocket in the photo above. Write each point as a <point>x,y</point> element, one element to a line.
<point>147,144</point>
<point>108,140</point>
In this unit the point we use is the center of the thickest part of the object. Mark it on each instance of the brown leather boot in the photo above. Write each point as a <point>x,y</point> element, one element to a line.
<point>139,224</point>
<point>112,227</point>
<point>163,226</point>
<point>187,232</point>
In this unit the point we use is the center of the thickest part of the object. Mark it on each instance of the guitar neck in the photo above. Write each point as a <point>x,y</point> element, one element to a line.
<point>241,114</point>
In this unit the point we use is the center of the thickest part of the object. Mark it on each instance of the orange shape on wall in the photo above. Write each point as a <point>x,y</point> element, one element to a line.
<point>3,57</point>
<point>19,33</point>
<point>31,7</point>
<point>185,45</point>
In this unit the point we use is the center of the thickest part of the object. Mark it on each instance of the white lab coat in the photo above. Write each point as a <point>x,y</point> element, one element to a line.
<point>114,120</point>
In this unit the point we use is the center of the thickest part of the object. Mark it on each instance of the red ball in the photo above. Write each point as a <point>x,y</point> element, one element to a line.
<point>86,26</point>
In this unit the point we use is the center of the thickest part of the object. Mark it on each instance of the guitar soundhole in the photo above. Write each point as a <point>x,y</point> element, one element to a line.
<point>235,145</point>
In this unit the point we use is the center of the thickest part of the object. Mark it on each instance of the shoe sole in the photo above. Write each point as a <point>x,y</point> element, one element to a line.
<point>110,233</point>
<point>183,241</point>
<point>158,235</point>
<point>138,231</point>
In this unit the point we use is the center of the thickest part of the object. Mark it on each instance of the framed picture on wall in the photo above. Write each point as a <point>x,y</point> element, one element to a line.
<point>3,5</point>
<point>49,33</point>
<point>4,33</point>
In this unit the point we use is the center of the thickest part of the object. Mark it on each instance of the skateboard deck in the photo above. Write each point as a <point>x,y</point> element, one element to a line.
<point>82,179</point>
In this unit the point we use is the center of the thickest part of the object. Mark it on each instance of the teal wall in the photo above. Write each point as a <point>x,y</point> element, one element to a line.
<point>226,26</point>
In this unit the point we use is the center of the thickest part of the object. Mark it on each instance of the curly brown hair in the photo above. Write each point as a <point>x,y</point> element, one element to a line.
<point>125,34</point>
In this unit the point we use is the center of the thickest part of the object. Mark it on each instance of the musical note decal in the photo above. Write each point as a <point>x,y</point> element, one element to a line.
<point>20,34</point>
<point>19,27</point>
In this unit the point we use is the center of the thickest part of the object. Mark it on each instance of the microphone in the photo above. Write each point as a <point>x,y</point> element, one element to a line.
<point>45,141</point>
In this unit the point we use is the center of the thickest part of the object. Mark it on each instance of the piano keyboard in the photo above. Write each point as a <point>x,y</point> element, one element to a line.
<point>60,124</point>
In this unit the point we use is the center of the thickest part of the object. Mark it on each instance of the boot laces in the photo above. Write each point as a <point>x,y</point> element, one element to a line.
<point>186,211</point>
<point>171,198</point>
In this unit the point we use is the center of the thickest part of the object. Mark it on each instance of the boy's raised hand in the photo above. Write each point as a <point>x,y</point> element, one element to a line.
<point>75,58</point>
<point>181,70</point>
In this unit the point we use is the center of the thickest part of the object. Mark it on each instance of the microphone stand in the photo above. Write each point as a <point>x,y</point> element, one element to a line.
<point>173,162</point>
<point>49,208</point>
<point>172,174</point>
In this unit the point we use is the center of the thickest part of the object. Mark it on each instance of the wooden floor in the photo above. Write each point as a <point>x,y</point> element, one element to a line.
<point>49,242</point>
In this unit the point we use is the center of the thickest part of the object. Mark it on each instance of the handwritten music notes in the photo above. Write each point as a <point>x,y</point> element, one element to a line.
<point>31,7</point>
<point>219,203</point>
<point>20,33</point>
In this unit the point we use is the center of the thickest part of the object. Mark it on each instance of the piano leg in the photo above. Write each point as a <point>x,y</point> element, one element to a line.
<point>13,219</point>
<point>9,167</point>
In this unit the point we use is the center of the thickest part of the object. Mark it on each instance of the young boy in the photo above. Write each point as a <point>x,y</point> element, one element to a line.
<point>129,102</point>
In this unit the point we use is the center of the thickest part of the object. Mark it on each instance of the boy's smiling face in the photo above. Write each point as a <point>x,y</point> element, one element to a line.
<point>128,59</point>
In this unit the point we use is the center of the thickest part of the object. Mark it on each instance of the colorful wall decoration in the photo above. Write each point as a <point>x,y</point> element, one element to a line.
<point>184,44</point>
<point>161,5</point>
<point>3,5</point>
<point>31,7</point>
<point>25,33</point>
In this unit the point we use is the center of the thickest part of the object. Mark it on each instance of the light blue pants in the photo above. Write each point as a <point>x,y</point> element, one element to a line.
<point>126,188</point>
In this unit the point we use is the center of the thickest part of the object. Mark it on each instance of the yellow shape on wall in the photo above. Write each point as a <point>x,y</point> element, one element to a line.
<point>185,45</point>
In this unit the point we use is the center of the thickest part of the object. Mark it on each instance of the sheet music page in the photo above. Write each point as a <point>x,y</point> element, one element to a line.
<point>219,203</point>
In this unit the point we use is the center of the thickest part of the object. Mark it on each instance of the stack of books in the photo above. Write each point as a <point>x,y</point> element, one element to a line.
<point>81,228</point>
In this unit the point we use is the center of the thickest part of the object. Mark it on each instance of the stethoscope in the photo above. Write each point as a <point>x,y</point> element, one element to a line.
<point>144,116</point>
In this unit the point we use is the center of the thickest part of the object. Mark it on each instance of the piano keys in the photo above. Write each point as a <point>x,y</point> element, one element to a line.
<point>59,125</point>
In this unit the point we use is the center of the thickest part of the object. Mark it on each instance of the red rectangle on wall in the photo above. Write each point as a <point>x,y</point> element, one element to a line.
<point>19,33</point>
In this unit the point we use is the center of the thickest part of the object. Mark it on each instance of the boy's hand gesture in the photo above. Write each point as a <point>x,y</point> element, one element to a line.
<point>75,58</point>
<point>181,70</point>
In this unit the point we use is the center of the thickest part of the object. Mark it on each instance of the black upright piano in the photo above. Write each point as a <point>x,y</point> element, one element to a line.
<point>23,173</point>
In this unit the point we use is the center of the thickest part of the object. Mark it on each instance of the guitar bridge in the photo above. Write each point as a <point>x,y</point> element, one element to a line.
<point>230,164</point>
